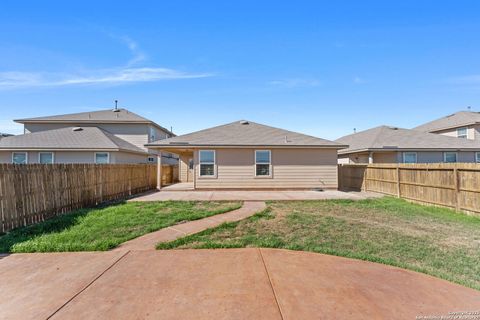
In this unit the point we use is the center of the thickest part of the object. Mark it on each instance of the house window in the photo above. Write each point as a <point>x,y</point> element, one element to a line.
<point>45,157</point>
<point>409,157</point>
<point>207,163</point>
<point>262,163</point>
<point>449,157</point>
<point>477,157</point>
<point>19,158</point>
<point>152,134</point>
<point>462,133</point>
<point>151,159</point>
<point>102,157</point>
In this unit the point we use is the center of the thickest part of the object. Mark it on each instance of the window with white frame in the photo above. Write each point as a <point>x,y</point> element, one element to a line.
<point>449,157</point>
<point>102,157</point>
<point>45,157</point>
<point>477,157</point>
<point>207,163</point>
<point>19,158</point>
<point>462,133</point>
<point>262,163</point>
<point>409,157</point>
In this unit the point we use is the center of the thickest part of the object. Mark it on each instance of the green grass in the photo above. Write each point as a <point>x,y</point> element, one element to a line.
<point>432,240</point>
<point>104,228</point>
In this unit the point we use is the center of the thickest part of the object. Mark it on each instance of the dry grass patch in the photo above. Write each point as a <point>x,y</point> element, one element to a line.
<point>432,240</point>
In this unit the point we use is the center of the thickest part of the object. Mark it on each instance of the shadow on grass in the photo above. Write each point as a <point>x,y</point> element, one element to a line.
<point>52,225</point>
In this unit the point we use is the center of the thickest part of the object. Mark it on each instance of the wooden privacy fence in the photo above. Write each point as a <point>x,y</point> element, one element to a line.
<point>450,185</point>
<point>34,192</point>
<point>169,174</point>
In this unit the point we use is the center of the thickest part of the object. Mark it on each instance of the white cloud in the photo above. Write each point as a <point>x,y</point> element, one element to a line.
<point>108,76</point>
<point>358,80</point>
<point>295,83</point>
<point>473,79</point>
<point>12,80</point>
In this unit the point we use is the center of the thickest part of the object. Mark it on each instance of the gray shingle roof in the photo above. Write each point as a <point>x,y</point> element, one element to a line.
<point>457,119</point>
<point>88,138</point>
<point>385,137</point>
<point>245,133</point>
<point>121,115</point>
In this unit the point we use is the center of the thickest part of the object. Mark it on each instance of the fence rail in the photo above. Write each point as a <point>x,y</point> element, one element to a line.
<point>34,192</point>
<point>454,186</point>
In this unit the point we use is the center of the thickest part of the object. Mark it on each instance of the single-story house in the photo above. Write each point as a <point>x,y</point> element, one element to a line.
<point>462,124</point>
<point>69,145</point>
<point>104,136</point>
<point>248,155</point>
<point>385,144</point>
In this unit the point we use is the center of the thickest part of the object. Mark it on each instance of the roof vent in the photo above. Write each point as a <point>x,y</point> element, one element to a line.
<point>116,107</point>
<point>244,122</point>
<point>77,129</point>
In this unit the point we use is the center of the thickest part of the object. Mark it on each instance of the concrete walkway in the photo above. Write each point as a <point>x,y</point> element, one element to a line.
<point>148,241</point>
<point>253,195</point>
<point>219,284</point>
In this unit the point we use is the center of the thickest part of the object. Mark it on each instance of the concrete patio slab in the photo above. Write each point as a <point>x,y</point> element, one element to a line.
<point>179,285</point>
<point>253,195</point>
<point>341,288</point>
<point>35,285</point>
<point>219,284</point>
<point>149,241</point>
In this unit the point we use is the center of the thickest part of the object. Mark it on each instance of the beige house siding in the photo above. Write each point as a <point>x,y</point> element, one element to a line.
<point>472,132</point>
<point>397,157</point>
<point>291,169</point>
<point>137,134</point>
<point>77,157</point>
<point>183,168</point>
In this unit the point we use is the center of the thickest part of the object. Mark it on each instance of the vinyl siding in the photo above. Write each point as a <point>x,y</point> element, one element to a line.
<point>472,132</point>
<point>183,168</point>
<point>291,169</point>
<point>397,157</point>
<point>77,157</point>
<point>136,134</point>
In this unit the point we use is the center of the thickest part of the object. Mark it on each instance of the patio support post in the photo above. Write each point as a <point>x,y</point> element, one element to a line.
<point>370,157</point>
<point>159,171</point>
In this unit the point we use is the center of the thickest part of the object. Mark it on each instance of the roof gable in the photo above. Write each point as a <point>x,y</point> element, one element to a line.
<point>458,119</point>
<point>391,138</point>
<point>120,115</point>
<point>245,133</point>
<point>84,138</point>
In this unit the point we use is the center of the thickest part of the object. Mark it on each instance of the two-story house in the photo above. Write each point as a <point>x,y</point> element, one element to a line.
<point>462,124</point>
<point>105,136</point>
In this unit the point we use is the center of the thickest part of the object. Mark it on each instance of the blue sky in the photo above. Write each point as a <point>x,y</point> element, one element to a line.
<point>318,67</point>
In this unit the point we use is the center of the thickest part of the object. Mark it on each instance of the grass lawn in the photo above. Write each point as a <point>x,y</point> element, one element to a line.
<point>436,241</point>
<point>104,228</point>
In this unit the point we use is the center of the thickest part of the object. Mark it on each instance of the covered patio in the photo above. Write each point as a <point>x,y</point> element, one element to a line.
<point>186,170</point>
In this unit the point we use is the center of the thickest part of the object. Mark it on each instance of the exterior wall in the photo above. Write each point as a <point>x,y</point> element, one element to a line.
<point>183,168</point>
<point>354,158</point>
<point>77,157</point>
<point>397,157</point>
<point>385,157</point>
<point>473,132</point>
<point>291,169</point>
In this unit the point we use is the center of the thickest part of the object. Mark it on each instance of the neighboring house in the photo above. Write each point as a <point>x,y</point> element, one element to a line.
<point>386,144</point>
<point>248,155</point>
<point>463,124</point>
<point>4,135</point>
<point>106,136</point>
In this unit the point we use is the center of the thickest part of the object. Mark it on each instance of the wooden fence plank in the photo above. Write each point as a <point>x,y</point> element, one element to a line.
<point>34,192</point>
<point>450,185</point>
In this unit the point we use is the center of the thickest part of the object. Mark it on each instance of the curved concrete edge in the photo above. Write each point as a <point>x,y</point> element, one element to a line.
<point>150,240</point>
<point>247,283</point>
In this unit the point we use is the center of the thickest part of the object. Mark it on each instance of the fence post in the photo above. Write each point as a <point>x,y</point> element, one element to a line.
<point>399,195</point>
<point>457,187</point>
